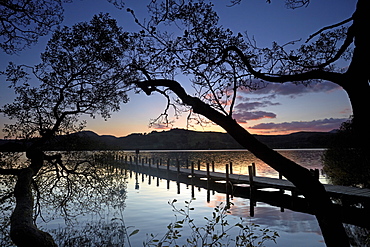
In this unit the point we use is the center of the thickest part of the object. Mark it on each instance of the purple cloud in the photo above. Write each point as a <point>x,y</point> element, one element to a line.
<point>247,106</point>
<point>246,111</point>
<point>326,124</point>
<point>293,90</point>
<point>243,117</point>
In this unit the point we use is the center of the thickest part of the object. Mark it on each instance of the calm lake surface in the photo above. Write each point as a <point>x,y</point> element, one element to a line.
<point>144,202</point>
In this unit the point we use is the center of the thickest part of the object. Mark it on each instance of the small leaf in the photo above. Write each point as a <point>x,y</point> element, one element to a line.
<point>134,232</point>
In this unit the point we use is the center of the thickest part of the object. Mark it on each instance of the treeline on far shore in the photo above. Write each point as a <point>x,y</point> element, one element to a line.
<point>175,139</point>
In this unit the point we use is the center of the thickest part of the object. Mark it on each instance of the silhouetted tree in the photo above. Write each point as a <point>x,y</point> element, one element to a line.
<point>220,63</point>
<point>22,22</point>
<point>344,162</point>
<point>81,73</point>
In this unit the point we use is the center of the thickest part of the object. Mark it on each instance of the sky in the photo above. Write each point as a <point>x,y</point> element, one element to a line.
<point>276,109</point>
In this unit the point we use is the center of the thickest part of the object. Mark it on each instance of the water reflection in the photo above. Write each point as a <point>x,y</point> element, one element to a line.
<point>241,159</point>
<point>71,197</point>
<point>121,198</point>
<point>146,206</point>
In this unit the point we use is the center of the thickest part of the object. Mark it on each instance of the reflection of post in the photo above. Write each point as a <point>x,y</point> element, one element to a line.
<point>168,164</point>
<point>208,185</point>
<point>178,187</point>
<point>137,181</point>
<point>198,165</point>
<point>251,186</point>
<point>192,180</point>
<point>192,188</point>
<point>208,194</point>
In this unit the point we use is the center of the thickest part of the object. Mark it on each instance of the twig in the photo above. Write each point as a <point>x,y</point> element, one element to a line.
<point>329,27</point>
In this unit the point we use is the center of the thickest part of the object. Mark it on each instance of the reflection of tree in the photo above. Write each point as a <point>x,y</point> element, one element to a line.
<point>99,233</point>
<point>80,186</point>
<point>347,162</point>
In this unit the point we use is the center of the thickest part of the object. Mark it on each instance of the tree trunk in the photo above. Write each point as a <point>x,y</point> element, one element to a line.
<point>356,79</point>
<point>23,231</point>
<point>315,193</point>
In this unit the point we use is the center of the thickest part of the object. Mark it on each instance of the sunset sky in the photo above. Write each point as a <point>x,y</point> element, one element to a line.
<point>276,109</point>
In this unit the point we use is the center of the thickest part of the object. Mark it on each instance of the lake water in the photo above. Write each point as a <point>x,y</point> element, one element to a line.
<point>146,203</point>
<point>129,200</point>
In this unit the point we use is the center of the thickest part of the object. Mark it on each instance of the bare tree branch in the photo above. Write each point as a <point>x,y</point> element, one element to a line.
<point>329,27</point>
<point>310,75</point>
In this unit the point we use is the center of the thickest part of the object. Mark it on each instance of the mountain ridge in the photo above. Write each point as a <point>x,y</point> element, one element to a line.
<point>177,139</point>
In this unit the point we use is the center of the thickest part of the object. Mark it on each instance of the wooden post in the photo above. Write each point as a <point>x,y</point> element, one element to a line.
<point>281,177</point>
<point>227,185</point>
<point>208,180</point>
<point>130,160</point>
<point>213,166</point>
<point>178,166</point>
<point>198,165</point>
<point>317,174</point>
<point>192,170</point>
<point>208,175</point>
<point>250,172</point>
<point>251,186</point>
<point>231,167</point>
<point>254,169</point>
<point>227,179</point>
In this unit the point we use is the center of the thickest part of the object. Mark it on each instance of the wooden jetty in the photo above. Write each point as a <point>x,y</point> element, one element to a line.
<point>351,203</point>
<point>255,182</point>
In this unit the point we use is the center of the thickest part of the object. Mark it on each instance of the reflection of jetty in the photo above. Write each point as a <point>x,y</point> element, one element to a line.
<point>352,203</point>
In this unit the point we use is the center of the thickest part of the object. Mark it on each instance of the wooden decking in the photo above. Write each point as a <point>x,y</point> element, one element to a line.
<point>335,191</point>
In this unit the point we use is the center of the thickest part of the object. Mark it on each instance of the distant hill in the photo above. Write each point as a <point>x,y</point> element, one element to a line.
<point>175,139</point>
